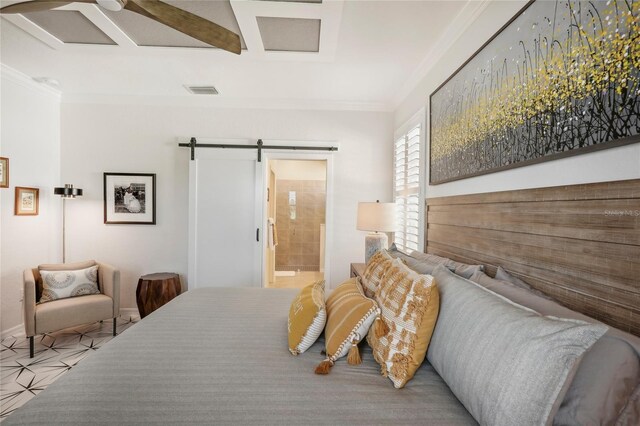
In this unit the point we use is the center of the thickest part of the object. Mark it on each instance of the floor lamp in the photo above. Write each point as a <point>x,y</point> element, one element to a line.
<point>66,192</point>
<point>378,218</point>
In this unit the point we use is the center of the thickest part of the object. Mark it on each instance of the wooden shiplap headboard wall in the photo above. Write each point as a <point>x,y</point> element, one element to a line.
<point>579,244</point>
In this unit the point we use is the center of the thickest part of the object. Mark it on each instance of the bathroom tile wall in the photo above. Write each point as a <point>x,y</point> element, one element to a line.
<point>299,238</point>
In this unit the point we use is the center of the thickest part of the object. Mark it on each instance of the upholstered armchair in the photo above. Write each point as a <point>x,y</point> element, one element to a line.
<point>56,315</point>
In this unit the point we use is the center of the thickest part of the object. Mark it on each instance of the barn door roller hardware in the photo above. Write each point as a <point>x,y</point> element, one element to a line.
<point>193,144</point>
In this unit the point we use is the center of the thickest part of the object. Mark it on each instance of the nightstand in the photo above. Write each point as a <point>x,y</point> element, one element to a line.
<point>357,269</point>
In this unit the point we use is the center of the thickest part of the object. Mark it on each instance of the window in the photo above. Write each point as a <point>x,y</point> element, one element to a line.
<point>406,190</point>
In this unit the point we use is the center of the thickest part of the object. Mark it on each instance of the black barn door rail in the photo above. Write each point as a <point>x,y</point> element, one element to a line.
<point>193,144</point>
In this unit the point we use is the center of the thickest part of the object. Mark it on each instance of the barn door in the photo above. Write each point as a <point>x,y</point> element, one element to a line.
<point>225,212</point>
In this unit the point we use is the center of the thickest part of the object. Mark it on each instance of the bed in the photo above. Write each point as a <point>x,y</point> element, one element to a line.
<point>220,355</point>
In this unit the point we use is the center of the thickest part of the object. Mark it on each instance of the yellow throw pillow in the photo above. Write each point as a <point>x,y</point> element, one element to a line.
<point>307,317</point>
<point>409,304</point>
<point>373,273</point>
<point>349,315</point>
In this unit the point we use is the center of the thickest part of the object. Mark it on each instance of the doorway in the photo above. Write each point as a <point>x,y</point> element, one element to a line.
<point>296,222</point>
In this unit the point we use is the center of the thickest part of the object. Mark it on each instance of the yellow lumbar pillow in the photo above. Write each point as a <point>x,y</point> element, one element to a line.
<point>349,315</point>
<point>307,317</point>
<point>409,304</point>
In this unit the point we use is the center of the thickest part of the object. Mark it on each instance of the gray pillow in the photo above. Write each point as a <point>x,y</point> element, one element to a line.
<point>506,364</point>
<point>432,258</point>
<point>503,275</point>
<point>419,265</point>
<point>459,268</point>
<point>397,254</point>
<point>466,270</point>
<point>606,387</point>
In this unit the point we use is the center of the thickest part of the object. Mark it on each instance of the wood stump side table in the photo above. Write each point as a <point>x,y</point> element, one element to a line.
<point>154,290</point>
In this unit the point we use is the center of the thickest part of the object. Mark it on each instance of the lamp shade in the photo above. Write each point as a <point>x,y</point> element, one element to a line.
<point>379,217</point>
<point>68,191</point>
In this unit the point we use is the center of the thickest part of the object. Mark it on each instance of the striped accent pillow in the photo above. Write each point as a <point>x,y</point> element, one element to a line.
<point>307,317</point>
<point>409,304</point>
<point>374,271</point>
<point>349,315</point>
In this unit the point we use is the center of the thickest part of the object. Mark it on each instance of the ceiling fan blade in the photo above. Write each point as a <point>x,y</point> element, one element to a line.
<point>38,5</point>
<point>187,23</point>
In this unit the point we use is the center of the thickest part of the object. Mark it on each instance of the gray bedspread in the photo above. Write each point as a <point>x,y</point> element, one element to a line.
<point>219,356</point>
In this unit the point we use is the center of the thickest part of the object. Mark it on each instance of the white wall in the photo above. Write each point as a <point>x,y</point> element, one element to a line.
<point>129,138</point>
<point>608,165</point>
<point>30,138</point>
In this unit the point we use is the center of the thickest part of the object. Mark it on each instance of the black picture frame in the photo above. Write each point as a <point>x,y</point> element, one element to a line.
<point>450,159</point>
<point>129,198</point>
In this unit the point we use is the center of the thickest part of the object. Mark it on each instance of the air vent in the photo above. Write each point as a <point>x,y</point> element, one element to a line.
<point>202,90</point>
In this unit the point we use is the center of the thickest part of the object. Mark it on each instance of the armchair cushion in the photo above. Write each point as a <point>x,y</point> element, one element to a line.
<point>73,311</point>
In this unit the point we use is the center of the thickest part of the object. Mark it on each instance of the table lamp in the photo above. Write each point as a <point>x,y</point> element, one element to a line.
<point>377,218</point>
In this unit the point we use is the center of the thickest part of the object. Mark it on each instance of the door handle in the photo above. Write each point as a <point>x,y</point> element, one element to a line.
<point>258,234</point>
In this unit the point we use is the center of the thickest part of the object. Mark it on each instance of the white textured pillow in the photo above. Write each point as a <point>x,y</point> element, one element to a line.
<point>507,364</point>
<point>63,284</point>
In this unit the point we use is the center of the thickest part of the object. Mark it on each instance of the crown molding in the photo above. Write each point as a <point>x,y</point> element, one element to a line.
<point>221,102</point>
<point>24,80</point>
<point>460,24</point>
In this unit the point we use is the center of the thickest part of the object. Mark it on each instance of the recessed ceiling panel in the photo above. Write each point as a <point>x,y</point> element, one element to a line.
<point>69,26</point>
<point>290,34</point>
<point>147,32</point>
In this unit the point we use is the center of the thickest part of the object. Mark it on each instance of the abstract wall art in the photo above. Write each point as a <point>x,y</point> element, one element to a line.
<point>561,78</point>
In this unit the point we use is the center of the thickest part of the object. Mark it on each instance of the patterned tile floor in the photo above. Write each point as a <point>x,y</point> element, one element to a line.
<point>21,377</point>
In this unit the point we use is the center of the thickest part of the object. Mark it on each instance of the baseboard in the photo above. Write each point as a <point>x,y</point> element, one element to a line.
<point>18,330</point>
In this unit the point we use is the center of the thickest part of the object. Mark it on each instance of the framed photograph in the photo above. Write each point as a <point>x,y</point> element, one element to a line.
<point>130,198</point>
<point>4,172</point>
<point>27,200</point>
<point>559,79</point>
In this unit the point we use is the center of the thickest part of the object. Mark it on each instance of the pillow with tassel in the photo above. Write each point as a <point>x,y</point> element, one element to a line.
<point>409,303</point>
<point>349,315</point>
<point>307,317</point>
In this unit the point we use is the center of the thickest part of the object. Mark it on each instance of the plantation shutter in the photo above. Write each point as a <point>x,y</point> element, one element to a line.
<point>406,193</point>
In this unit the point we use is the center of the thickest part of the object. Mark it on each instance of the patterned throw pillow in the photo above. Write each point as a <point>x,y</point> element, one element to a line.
<point>349,315</point>
<point>409,303</point>
<point>307,317</point>
<point>63,284</point>
<point>374,271</point>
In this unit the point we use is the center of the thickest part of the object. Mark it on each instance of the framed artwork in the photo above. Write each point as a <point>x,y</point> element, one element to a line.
<point>561,78</point>
<point>130,198</point>
<point>26,201</point>
<point>4,172</point>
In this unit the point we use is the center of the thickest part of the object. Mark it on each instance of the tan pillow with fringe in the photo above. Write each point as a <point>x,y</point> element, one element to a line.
<point>374,271</point>
<point>409,304</point>
<point>307,317</point>
<point>349,315</point>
